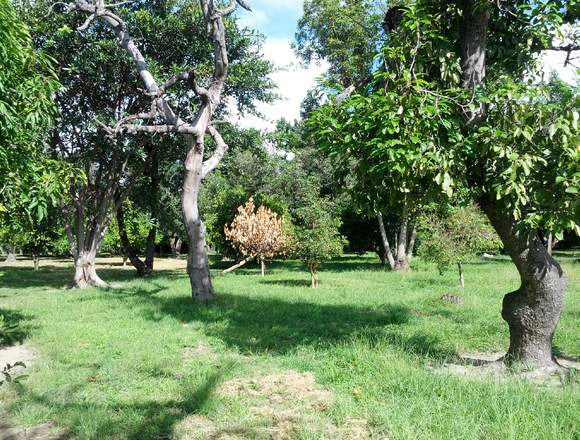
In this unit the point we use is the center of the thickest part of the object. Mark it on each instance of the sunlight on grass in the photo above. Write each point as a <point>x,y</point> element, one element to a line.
<point>135,361</point>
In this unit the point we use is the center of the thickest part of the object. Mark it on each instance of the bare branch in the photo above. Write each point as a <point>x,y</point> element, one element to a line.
<point>188,77</point>
<point>221,148</point>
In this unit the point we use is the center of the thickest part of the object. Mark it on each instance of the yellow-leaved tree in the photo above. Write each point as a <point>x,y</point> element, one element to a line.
<point>257,233</point>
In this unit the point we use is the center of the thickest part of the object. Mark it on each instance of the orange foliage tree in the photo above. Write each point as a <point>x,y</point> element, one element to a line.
<point>257,234</point>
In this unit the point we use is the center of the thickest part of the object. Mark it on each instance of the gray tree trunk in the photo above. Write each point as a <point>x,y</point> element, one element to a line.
<point>532,311</point>
<point>461,276</point>
<point>175,244</point>
<point>10,256</point>
<point>197,260</point>
<point>388,253</point>
<point>86,273</point>
<point>402,262</point>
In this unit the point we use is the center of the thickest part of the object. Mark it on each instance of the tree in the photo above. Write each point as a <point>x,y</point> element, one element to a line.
<point>317,237</point>
<point>524,178</point>
<point>453,238</point>
<point>174,104</point>
<point>257,234</point>
<point>30,182</point>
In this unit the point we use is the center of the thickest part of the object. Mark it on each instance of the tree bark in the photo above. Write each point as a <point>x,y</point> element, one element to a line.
<point>86,273</point>
<point>461,276</point>
<point>532,311</point>
<point>197,260</point>
<point>388,253</point>
<point>35,261</point>
<point>175,244</point>
<point>411,244</point>
<point>313,276</point>
<point>128,250</point>
<point>402,262</point>
<point>10,257</point>
<point>263,266</point>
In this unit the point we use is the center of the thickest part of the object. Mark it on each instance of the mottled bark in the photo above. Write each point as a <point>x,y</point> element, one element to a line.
<point>401,259</point>
<point>86,273</point>
<point>387,252</point>
<point>532,311</point>
<point>175,244</point>
<point>313,268</point>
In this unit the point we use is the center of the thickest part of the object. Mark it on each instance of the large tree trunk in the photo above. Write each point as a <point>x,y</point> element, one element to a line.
<point>175,244</point>
<point>197,260</point>
<point>11,256</point>
<point>533,311</point>
<point>388,253</point>
<point>128,250</point>
<point>402,261</point>
<point>86,272</point>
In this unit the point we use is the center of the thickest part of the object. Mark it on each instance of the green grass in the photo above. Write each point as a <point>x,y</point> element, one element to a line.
<point>112,366</point>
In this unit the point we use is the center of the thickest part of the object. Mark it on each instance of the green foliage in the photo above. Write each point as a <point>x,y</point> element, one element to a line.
<point>30,183</point>
<point>137,223</point>
<point>454,238</point>
<point>533,168</point>
<point>345,34</point>
<point>317,236</point>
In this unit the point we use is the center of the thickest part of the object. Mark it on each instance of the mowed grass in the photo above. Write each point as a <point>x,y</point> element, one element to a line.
<point>135,361</point>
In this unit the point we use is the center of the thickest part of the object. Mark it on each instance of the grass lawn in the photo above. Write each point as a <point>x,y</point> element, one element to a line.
<point>272,358</point>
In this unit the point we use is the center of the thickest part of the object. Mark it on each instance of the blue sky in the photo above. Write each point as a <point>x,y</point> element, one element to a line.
<point>277,20</point>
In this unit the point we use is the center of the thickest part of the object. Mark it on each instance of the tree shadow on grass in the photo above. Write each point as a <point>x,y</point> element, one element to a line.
<point>13,327</point>
<point>258,325</point>
<point>58,277</point>
<point>156,420</point>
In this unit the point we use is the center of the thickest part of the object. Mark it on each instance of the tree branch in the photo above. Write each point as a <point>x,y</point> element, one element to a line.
<point>221,149</point>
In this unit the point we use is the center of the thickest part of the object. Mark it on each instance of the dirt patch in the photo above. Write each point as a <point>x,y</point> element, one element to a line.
<point>489,366</point>
<point>45,431</point>
<point>13,354</point>
<point>202,349</point>
<point>279,407</point>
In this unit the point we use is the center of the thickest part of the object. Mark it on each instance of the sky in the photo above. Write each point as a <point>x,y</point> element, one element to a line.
<point>277,20</point>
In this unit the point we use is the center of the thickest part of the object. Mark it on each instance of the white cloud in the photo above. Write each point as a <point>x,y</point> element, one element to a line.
<point>293,83</point>
<point>254,20</point>
<point>553,62</point>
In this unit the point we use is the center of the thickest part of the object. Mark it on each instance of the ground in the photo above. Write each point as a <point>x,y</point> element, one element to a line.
<point>362,357</point>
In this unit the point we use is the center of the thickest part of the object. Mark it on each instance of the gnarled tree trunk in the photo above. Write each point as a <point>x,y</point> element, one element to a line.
<point>197,259</point>
<point>85,272</point>
<point>532,311</point>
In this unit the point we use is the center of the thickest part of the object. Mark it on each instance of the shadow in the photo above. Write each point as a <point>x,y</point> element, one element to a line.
<point>58,277</point>
<point>12,327</point>
<point>148,420</point>
<point>287,283</point>
<point>262,325</point>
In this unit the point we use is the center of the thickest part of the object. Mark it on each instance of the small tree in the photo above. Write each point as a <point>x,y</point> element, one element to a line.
<point>257,234</point>
<point>318,237</point>
<point>451,240</point>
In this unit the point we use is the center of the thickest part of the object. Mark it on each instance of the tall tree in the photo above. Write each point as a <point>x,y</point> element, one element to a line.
<point>458,131</point>
<point>106,96</point>
<point>30,182</point>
